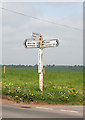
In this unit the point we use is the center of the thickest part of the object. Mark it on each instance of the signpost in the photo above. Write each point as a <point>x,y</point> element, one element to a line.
<point>37,41</point>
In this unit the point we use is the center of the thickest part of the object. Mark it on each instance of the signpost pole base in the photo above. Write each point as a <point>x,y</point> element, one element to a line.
<point>41,81</point>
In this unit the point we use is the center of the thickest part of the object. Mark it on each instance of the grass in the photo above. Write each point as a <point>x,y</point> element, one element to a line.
<point>60,87</point>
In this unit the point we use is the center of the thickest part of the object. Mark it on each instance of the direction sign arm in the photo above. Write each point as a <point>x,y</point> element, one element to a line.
<point>51,43</point>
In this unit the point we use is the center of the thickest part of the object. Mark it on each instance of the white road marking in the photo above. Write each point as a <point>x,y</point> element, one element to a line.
<point>63,110</point>
<point>68,111</point>
<point>44,108</point>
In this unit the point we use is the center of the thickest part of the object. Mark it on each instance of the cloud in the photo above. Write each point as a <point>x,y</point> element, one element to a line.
<point>17,28</point>
<point>42,1</point>
<point>0,35</point>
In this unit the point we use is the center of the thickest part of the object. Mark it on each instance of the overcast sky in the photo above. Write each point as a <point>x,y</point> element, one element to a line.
<point>16,28</point>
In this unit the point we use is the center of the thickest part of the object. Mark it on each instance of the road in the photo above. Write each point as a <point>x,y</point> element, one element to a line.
<point>41,111</point>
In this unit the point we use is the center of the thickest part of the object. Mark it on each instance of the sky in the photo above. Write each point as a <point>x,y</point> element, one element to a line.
<point>16,28</point>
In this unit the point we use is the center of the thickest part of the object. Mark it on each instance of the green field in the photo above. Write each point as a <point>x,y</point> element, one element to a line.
<point>60,87</point>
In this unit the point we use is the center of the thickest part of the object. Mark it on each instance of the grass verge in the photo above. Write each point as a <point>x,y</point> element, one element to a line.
<point>60,87</point>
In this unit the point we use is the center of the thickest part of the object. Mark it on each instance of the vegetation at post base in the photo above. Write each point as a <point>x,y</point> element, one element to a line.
<point>60,87</point>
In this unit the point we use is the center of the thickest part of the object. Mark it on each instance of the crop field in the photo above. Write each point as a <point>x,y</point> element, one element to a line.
<point>60,87</point>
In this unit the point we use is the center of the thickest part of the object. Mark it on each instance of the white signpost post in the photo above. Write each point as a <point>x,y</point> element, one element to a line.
<point>37,41</point>
<point>39,61</point>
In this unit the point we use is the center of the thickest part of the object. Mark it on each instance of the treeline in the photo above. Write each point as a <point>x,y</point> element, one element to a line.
<point>12,65</point>
<point>48,67</point>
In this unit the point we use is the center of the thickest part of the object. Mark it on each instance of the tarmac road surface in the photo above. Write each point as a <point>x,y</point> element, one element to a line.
<point>41,111</point>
